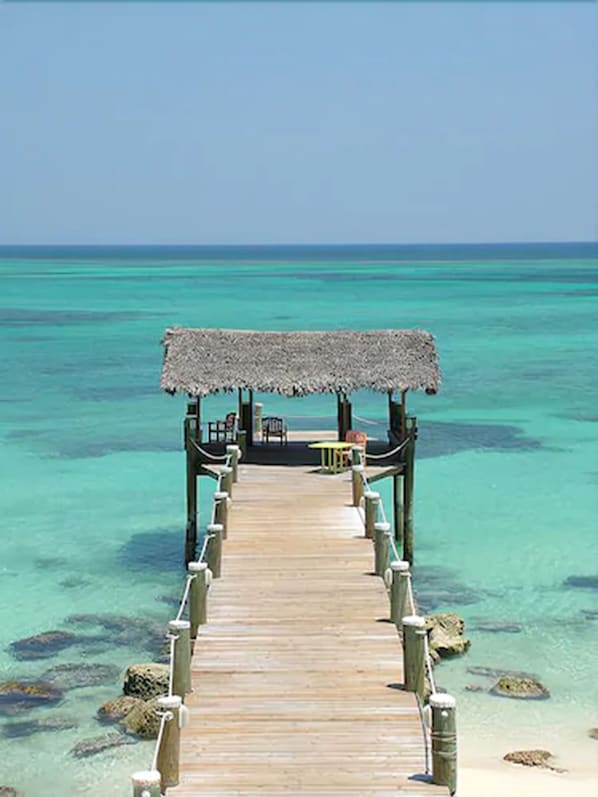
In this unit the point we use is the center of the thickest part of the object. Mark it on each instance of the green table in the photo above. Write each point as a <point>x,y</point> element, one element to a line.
<point>332,454</point>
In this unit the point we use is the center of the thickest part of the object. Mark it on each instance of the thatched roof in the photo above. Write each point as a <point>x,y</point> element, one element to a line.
<point>204,361</point>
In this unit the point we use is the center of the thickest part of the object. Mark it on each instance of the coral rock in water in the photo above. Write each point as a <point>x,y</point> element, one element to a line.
<point>100,743</point>
<point>146,680</point>
<point>42,646</point>
<point>520,688</point>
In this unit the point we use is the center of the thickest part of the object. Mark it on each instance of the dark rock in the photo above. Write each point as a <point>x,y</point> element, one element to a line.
<point>593,733</point>
<point>10,791</point>
<point>48,724</point>
<point>170,600</point>
<point>79,674</point>
<point>19,696</point>
<point>520,688</point>
<point>146,680</point>
<point>590,614</point>
<point>532,758</point>
<point>582,582</point>
<point>73,582</point>
<point>474,688</point>
<point>42,646</point>
<point>497,672</point>
<point>498,627</point>
<point>98,744</point>
<point>45,562</point>
<point>115,710</point>
<point>445,634</point>
<point>143,720</point>
<point>123,630</point>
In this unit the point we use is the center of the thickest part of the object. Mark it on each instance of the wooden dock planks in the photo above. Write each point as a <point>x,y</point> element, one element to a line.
<point>295,675</point>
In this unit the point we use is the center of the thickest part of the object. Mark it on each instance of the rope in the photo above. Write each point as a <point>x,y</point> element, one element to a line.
<point>184,598</point>
<point>168,715</point>
<point>366,420</point>
<point>204,548</point>
<point>207,453</point>
<point>410,595</point>
<point>173,638</point>
<point>392,451</point>
<point>428,663</point>
<point>427,739</point>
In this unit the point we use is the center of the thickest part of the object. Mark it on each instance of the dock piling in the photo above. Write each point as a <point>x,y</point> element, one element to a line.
<point>414,632</point>
<point>170,743</point>
<point>146,784</point>
<point>398,591</point>
<point>371,507</point>
<point>381,548</point>
<point>357,483</point>
<point>221,511</point>
<point>181,665</point>
<point>198,596</point>
<point>214,549</point>
<point>444,741</point>
<point>235,453</point>
<point>226,472</point>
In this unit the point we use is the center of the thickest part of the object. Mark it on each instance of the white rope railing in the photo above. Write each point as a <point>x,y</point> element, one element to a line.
<point>165,717</point>
<point>389,453</point>
<point>207,453</point>
<point>184,598</point>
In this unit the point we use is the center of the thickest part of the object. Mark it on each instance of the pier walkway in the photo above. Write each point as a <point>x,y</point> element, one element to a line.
<point>296,676</point>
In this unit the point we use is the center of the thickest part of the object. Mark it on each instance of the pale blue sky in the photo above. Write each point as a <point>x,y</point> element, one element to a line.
<point>272,123</point>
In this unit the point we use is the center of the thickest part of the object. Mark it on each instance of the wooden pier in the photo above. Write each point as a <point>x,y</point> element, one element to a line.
<point>297,675</point>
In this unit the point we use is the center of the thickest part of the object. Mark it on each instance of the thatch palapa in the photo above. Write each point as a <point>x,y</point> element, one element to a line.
<point>201,362</point>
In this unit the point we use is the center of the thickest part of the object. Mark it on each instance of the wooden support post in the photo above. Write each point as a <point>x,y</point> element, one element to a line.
<point>339,416</point>
<point>414,633</point>
<point>146,784</point>
<point>181,666</point>
<point>214,549</point>
<point>444,741</point>
<point>259,409</point>
<point>398,591</point>
<point>408,478</point>
<point>357,484</point>
<point>381,548</point>
<point>198,420</point>
<point>170,745</point>
<point>226,481</point>
<point>371,508</point>
<point>191,531</point>
<point>242,441</point>
<point>221,511</point>
<point>198,596</point>
<point>397,509</point>
<point>235,454</point>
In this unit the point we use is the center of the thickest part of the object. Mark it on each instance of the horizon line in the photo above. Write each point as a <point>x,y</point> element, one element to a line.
<point>292,244</point>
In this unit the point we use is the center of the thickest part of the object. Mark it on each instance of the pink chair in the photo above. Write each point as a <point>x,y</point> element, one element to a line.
<point>358,439</point>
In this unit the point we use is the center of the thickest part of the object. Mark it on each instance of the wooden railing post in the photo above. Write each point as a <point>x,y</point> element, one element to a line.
<point>227,479</point>
<point>192,503</point>
<point>408,478</point>
<point>214,548</point>
<point>198,595</point>
<point>371,507</point>
<point>414,633</point>
<point>357,484</point>
<point>381,548</point>
<point>181,664</point>
<point>444,741</point>
<point>221,511</point>
<point>170,744</point>
<point>398,591</point>
<point>146,784</point>
<point>234,452</point>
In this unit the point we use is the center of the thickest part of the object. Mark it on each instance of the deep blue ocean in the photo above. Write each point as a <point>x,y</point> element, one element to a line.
<point>92,468</point>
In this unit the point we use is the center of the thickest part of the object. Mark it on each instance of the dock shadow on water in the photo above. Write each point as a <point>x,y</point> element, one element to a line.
<point>158,550</point>
<point>440,438</point>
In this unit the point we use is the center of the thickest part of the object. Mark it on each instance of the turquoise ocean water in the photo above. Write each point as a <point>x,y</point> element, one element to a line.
<point>92,472</point>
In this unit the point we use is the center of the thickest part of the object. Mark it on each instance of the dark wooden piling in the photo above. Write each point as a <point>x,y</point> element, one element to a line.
<point>408,478</point>
<point>192,502</point>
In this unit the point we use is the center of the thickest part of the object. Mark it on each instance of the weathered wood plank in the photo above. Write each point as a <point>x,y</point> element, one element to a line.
<point>297,674</point>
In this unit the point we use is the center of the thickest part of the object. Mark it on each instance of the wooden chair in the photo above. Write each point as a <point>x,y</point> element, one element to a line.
<point>358,439</point>
<point>274,427</point>
<point>223,431</point>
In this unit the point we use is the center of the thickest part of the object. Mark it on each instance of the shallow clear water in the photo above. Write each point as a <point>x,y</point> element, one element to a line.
<point>92,472</point>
